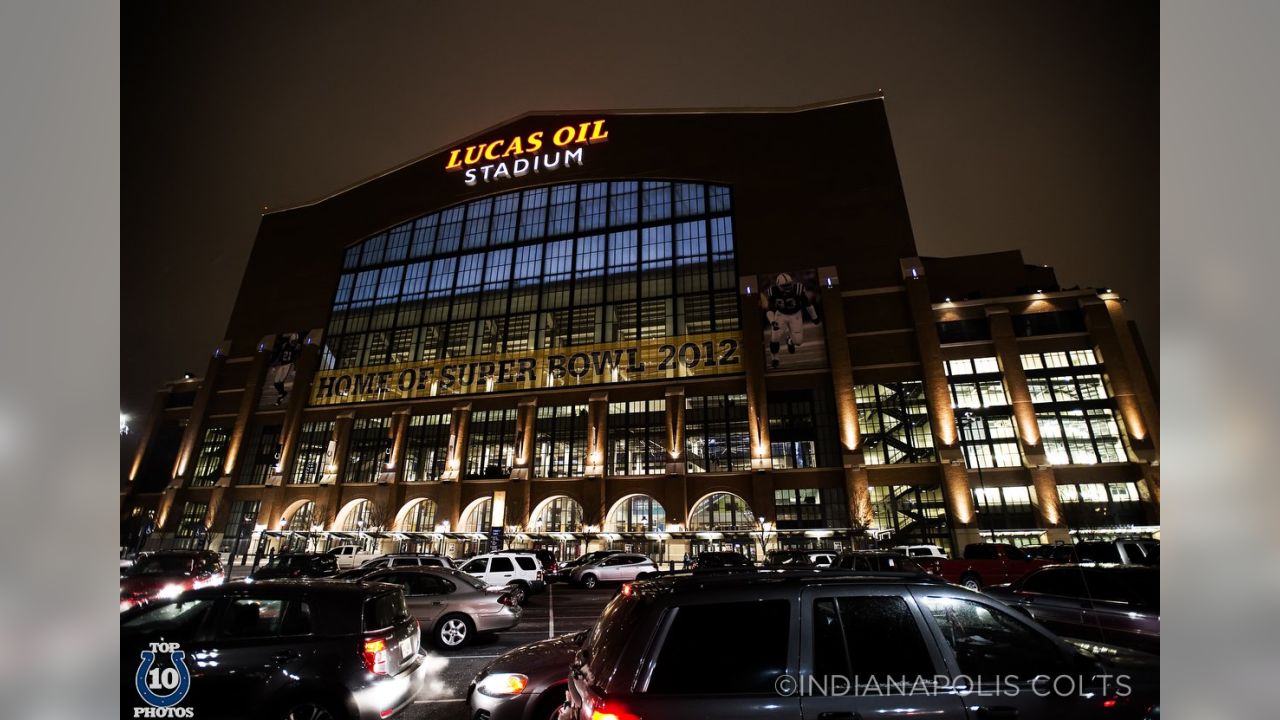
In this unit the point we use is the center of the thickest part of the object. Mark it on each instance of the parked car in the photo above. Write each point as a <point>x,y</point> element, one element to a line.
<point>298,565</point>
<point>713,560</point>
<point>765,633</point>
<point>1128,551</point>
<point>622,567</point>
<point>522,572</point>
<point>1061,553</point>
<point>165,574</point>
<point>349,556</point>
<point>565,569</point>
<point>789,558</point>
<point>1113,604</point>
<point>877,561</point>
<point>546,557</point>
<point>283,649</point>
<point>983,564</point>
<point>452,606</point>
<point>407,560</point>
<point>920,551</point>
<point>527,683</point>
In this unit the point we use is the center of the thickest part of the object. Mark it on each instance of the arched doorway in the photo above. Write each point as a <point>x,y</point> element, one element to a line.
<point>296,523</point>
<point>551,524</point>
<point>416,518</point>
<point>722,521</point>
<point>476,519</point>
<point>356,521</point>
<point>641,520</point>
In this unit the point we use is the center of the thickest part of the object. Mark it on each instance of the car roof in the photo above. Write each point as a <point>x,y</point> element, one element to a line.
<point>181,553</point>
<point>694,581</point>
<point>291,587</point>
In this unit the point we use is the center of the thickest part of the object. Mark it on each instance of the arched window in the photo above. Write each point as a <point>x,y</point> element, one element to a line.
<point>301,519</point>
<point>420,516</point>
<point>358,517</point>
<point>557,514</point>
<point>476,519</point>
<point>722,511</point>
<point>636,513</point>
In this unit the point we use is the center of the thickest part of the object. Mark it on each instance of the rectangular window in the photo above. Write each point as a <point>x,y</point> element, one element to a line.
<point>894,418</point>
<point>312,453</point>
<point>533,214</point>
<point>802,429</point>
<point>811,508</point>
<point>241,521</point>
<point>491,445</point>
<point>369,450</point>
<point>869,639</point>
<point>745,662</point>
<point>638,437</point>
<point>426,447</point>
<point>191,521</point>
<point>502,229</point>
<point>213,452</point>
<point>560,443</point>
<point>716,434</point>
<point>266,447</point>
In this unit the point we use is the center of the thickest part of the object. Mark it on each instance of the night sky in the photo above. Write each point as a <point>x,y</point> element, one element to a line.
<point>1016,125</point>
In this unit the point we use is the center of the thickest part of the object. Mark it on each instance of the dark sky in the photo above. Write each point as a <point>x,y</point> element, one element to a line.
<point>1016,124</point>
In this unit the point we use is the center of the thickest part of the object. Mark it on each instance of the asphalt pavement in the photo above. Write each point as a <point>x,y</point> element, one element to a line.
<point>560,610</point>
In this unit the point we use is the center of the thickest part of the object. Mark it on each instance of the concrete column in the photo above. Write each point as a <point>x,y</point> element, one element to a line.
<point>856,485</point>
<point>399,435</point>
<point>185,465</point>
<point>675,430</point>
<point>955,477</point>
<point>753,365</point>
<point>1135,402</point>
<point>154,417</point>
<point>342,443</point>
<point>304,371</point>
<point>597,452</point>
<point>526,435</point>
<point>248,403</point>
<point>459,424</point>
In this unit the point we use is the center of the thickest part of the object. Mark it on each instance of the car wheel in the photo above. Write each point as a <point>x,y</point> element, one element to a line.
<point>308,710</point>
<point>972,582</point>
<point>453,631</point>
<point>549,704</point>
<point>589,581</point>
<point>518,593</point>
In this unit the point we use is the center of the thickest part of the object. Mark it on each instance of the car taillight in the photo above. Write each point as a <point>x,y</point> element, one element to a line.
<point>506,599</point>
<point>538,575</point>
<point>626,590</point>
<point>375,656</point>
<point>612,711</point>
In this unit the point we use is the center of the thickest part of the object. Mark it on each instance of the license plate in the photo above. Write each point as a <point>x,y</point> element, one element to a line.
<point>406,648</point>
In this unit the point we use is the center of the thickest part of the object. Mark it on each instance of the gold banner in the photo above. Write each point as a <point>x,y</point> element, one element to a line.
<point>699,355</point>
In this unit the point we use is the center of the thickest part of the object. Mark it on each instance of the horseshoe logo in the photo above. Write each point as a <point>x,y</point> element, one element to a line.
<point>163,679</point>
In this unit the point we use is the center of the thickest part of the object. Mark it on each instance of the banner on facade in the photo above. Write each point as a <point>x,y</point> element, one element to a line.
<point>281,369</point>
<point>700,355</point>
<point>793,336</point>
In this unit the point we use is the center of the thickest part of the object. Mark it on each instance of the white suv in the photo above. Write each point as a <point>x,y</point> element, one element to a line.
<point>916,551</point>
<point>349,556</point>
<point>522,571</point>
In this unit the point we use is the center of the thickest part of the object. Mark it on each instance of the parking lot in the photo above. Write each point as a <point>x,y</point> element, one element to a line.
<point>559,610</point>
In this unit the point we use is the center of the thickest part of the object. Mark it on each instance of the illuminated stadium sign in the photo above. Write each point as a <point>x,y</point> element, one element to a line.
<point>507,158</point>
<point>700,355</point>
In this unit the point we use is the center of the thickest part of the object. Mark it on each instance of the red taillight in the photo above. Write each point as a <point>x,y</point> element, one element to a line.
<point>506,600</point>
<point>611,711</point>
<point>375,656</point>
<point>627,590</point>
<point>538,576</point>
<point>1109,703</point>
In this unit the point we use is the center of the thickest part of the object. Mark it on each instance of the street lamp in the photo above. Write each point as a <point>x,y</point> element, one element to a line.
<point>966,419</point>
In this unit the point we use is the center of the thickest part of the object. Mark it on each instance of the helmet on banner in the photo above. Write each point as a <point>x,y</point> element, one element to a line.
<point>782,279</point>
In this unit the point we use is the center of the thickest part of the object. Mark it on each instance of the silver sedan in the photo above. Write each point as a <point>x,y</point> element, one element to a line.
<point>615,568</point>
<point>452,606</point>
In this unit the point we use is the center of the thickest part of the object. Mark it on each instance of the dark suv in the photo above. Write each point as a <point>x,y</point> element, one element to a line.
<point>835,644</point>
<point>298,565</point>
<point>316,649</point>
<point>715,560</point>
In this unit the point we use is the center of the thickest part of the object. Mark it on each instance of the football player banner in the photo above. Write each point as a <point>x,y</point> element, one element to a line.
<point>281,369</point>
<point>793,338</point>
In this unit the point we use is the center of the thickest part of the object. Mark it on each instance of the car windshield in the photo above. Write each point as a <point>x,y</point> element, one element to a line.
<point>163,565</point>
<point>462,577</point>
<point>175,617</point>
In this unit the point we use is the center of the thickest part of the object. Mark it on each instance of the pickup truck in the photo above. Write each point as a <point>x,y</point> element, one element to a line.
<point>983,564</point>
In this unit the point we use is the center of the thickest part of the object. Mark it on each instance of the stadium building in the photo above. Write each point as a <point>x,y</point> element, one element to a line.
<point>661,331</point>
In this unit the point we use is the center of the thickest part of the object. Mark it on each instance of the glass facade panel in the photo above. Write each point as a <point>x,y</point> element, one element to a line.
<point>636,514</point>
<point>560,445</point>
<point>894,419</point>
<point>369,450</point>
<point>811,508</point>
<point>310,455</point>
<point>213,452</point>
<point>558,514</point>
<point>434,288</point>
<point>716,438</point>
<point>426,447</point>
<point>257,467</point>
<point>637,438</point>
<point>802,429</point>
<point>722,511</point>
<point>1074,408</point>
<point>491,445</point>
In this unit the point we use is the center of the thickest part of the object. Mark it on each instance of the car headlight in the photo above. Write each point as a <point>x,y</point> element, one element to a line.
<point>503,684</point>
<point>172,590</point>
